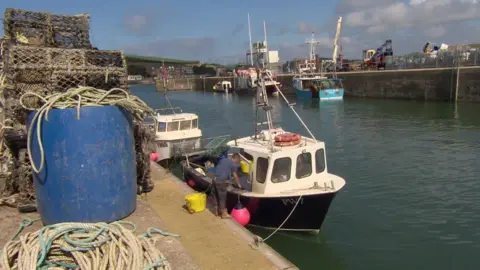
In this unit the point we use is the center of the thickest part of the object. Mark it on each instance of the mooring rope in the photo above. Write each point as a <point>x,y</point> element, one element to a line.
<point>85,246</point>
<point>77,98</point>
<point>258,239</point>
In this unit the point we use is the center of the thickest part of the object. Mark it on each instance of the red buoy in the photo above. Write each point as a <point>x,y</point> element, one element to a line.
<point>154,156</point>
<point>240,214</point>
<point>191,183</point>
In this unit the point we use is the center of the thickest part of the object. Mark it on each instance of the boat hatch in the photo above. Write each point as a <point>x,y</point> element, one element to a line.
<point>286,170</point>
<point>177,125</point>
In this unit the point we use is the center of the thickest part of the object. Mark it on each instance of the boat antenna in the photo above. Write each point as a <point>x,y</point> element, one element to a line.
<point>250,40</point>
<point>312,42</point>
<point>165,86</point>
<point>291,107</point>
<point>265,59</point>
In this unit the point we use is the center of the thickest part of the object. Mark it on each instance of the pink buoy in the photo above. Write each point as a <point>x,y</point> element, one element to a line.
<point>153,156</point>
<point>191,183</point>
<point>240,214</point>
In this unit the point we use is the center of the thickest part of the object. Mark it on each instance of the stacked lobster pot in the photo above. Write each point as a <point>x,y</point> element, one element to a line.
<point>45,53</point>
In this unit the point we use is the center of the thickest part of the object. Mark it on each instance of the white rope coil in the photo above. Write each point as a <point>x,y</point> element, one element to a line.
<point>77,97</point>
<point>85,246</point>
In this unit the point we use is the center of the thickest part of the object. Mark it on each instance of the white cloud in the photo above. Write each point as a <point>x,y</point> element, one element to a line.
<point>400,14</point>
<point>435,32</point>
<point>409,23</point>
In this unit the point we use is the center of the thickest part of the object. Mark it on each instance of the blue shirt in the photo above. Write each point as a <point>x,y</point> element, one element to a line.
<point>225,168</point>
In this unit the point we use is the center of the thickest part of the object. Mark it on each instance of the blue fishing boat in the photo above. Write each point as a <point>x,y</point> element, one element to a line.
<point>307,84</point>
<point>323,88</point>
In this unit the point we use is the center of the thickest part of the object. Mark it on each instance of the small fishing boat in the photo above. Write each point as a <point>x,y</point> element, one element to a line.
<point>320,87</point>
<point>285,180</point>
<point>247,80</point>
<point>176,133</point>
<point>223,87</point>
<point>307,84</point>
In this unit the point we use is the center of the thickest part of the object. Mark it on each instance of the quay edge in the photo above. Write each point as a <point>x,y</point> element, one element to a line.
<point>233,240</point>
<point>429,84</point>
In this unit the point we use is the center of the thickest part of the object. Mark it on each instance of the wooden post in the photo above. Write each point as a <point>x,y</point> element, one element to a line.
<point>204,88</point>
<point>458,81</point>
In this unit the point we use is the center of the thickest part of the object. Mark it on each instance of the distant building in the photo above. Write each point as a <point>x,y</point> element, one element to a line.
<point>273,57</point>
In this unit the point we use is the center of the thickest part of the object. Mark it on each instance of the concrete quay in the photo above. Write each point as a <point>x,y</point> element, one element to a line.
<point>429,84</point>
<point>205,242</point>
<point>212,242</point>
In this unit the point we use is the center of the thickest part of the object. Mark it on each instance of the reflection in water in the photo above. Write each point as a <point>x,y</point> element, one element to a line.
<point>412,198</point>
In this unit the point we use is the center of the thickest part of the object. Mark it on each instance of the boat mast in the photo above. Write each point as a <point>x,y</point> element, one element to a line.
<point>165,86</point>
<point>290,105</point>
<point>311,54</point>
<point>265,58</point>
<point>262,102</point>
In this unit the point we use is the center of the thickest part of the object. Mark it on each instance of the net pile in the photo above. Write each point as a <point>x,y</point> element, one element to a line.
<point>144,137</point>
<point>52,70</point>
<point>47,54</point>
<point>48,30</point>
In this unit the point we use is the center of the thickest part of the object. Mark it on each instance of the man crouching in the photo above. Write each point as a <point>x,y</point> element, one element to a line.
<point>225,170</point>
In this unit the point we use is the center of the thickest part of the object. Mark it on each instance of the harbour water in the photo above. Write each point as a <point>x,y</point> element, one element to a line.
<point>412,199</point>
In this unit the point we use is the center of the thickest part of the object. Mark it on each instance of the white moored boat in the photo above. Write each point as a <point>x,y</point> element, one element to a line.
<point>176,133</point>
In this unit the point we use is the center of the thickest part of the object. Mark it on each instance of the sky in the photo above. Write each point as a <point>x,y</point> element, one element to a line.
<point>216,30</point>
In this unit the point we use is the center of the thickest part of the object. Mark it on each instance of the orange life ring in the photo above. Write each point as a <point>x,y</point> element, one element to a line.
<point>288,137</point>
<point>289,143</point>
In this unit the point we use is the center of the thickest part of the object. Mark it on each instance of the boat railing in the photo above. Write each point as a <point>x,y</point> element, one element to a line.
<point>165,111</point>
<point>211,146</point>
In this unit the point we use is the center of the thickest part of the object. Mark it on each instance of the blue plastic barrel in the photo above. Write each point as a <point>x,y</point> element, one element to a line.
<point>90,167</point>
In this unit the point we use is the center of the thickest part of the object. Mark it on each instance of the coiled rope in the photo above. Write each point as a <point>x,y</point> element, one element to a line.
<point>86,246</point>
<point>77,97</point>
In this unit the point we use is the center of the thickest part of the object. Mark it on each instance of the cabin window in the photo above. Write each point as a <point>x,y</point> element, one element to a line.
<point>246,155</point>
<point>262,167</point>
<point>184,125</point>
<point>281,170</point>
<point>172,126</point>
<point>320,160</point>
<point>304,165</point>
<point>161,126</point>
<point>194,123</point>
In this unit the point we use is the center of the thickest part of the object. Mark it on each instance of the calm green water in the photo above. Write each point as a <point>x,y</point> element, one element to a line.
<point>412,199</point>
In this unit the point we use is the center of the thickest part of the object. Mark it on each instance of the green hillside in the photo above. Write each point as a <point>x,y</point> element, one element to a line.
<point>150,59</point>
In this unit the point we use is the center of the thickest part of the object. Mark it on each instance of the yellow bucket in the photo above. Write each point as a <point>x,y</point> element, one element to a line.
<point>196,202</point>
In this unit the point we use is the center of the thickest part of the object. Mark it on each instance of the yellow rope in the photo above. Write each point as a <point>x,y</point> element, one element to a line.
<point>77,98</point>
<point>85,246</point>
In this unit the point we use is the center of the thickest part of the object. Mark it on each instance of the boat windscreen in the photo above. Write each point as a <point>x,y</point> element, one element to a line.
<point>149,121</point>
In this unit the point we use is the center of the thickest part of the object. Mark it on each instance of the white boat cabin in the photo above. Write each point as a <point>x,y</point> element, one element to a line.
<point>223,86</point>
<point>298,168</point>
<point>176,133</point>
<point>177,126</point>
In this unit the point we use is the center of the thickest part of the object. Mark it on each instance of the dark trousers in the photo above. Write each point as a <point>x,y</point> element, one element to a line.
<point>221,193</point>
